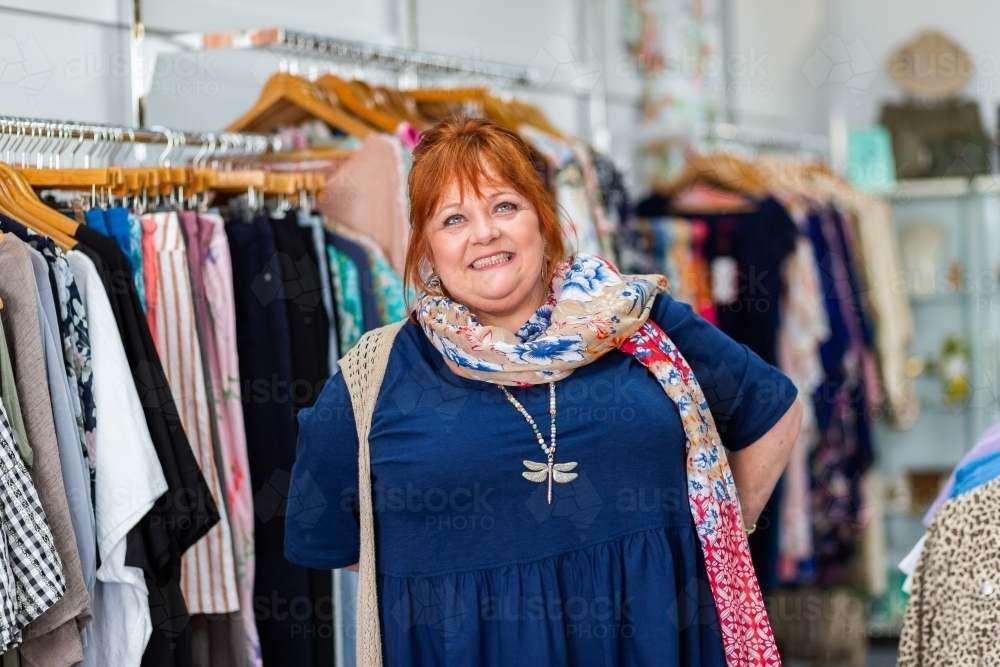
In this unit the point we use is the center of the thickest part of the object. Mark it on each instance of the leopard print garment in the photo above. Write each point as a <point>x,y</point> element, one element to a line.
<point>953,615</point>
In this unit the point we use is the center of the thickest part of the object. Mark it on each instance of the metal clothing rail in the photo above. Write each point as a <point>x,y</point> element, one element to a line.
<point>55,129</point>
<point>760,138</point>
<point>30,141</point>
<point>342,50</point>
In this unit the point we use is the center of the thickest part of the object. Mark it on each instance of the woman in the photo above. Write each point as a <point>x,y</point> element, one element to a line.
<point>548,482</point>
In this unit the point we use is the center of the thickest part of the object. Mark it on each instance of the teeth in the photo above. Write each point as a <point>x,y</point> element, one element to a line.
<point>498,258</point>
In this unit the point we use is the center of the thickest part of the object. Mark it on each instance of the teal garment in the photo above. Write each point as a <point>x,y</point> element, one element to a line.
<point>390,293</point>
<point>347,292</point>
<point>135,254</point>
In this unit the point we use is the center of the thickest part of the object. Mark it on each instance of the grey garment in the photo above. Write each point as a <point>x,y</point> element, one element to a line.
<point>217,640</point>
<point>75,470</point>
<point>53,639</point>
<point>8,395</point>
<point>315,224</point>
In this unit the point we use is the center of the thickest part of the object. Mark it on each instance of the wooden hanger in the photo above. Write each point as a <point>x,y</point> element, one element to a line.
<point>532,115</point>
<point>307,154</point>
<point>701,199</point>
<point>404,106</point>
<point>25,206</point>
<point>474,94</point>
<point>441,102</point>
<point>239,180</point>
<point>72,178</point>
<point>356,98</point>
<point>717,171</point>
<point>493,107</point>
<point>288,100</point>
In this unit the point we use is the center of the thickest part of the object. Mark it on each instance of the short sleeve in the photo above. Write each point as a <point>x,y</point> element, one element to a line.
<point>747,396</point>
<point>321,523</point>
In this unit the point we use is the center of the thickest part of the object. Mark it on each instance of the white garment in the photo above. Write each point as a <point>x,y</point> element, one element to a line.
<point>909,564</point>
<point>129,480</point>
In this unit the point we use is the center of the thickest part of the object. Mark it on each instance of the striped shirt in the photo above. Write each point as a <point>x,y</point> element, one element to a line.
<point>208,572</point>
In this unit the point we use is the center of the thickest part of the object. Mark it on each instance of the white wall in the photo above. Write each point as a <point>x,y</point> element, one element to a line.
<point>804,39</point>
<point>62,68</point>
<point>771,42</point>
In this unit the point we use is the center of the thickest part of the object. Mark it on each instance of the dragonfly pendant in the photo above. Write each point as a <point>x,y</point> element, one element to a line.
<point>558,472</point>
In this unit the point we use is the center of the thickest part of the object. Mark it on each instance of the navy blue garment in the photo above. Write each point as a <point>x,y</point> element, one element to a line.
<point>309,327</point>
<point>95,220</point>
<point>360,259</point>
<point>474,566</point>
<point>844,452</point>
<point>309,333</point>
<point>759,242</point>
<point>264,347</point>
<point>116,220</point>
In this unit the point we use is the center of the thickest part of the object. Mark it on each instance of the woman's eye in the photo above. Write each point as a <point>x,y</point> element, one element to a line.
<point>506,207</point>
<point>453,220</point>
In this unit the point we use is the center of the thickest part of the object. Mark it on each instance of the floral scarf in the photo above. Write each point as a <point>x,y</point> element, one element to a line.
<point>591,310</point>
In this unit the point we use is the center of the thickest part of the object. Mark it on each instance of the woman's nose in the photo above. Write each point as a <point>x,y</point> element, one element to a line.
<point>484,229</point>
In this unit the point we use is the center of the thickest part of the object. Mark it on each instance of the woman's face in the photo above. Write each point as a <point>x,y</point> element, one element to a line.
<point>488,252</point>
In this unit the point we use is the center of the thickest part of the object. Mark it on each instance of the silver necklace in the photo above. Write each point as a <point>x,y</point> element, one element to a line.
<point>550,471</point>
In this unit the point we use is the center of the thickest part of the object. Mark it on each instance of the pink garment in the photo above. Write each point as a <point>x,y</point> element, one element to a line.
<point>408,135</point>
<point>208,569</point>
<point>150,274</point>
<point>804,326</point>
<point>989,443</point>
<point>367,192</point>
<point>224,366</point>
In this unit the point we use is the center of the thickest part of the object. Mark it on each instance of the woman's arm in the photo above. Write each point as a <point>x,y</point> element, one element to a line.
<point>758,467</point>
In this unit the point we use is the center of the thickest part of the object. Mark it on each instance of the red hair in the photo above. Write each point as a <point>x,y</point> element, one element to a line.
<point>470,150</point>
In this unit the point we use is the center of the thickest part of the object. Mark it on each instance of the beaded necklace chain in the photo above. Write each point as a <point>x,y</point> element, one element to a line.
<point>549,471</point>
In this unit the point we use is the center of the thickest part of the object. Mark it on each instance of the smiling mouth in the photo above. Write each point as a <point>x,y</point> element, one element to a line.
<point>492,260</point>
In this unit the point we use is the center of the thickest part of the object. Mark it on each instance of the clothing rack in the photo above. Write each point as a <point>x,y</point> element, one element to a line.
<point>334,49</point>
<point>155,135</point>
<point>49,137</point>
<point>815,144</point>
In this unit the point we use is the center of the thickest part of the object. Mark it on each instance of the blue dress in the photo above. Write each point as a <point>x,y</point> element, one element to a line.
<point>475,567</point>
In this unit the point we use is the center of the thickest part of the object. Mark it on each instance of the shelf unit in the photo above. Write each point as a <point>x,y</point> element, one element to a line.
<point>969,211</point>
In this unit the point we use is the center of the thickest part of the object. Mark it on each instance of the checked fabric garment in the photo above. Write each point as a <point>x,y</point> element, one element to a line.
<point>591,310</point>
<point>31,577</point>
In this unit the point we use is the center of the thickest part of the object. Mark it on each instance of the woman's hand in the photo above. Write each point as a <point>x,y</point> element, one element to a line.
<point>758,467</point>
